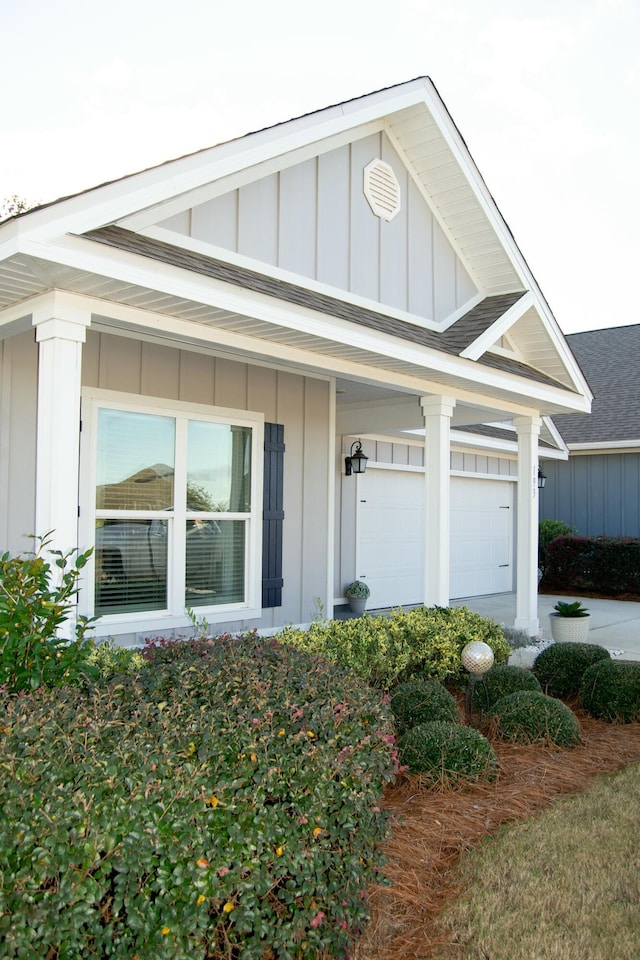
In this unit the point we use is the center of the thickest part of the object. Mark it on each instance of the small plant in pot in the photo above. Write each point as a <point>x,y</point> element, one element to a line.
<point>570,622</point>
<point>357,593</point>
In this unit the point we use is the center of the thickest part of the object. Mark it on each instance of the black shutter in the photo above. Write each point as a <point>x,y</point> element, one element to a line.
<point>272,515</point>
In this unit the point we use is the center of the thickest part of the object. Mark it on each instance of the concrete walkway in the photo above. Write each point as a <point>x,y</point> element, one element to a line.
<point>615,624</point>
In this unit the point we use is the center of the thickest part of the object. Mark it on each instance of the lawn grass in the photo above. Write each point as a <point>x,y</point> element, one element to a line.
<point>561,885</point>
<point>430,856</point>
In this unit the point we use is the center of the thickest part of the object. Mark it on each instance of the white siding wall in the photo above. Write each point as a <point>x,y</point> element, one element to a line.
<point>300,403</point>
<point>18,393</point>
<point>313,220</point>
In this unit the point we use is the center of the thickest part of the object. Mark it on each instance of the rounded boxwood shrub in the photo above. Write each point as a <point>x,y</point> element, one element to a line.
<point>611,691</point>
<point>440,750</point>
<point>222,802</point>
<point>420,701</point>
<point>531,717</point>
<point>501,681</point>
<point>560,667</point>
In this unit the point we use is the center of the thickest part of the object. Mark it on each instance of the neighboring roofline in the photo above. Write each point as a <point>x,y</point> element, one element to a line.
<point>601,446</point>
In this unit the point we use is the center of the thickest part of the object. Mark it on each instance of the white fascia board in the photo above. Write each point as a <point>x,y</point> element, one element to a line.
<point>460,151</point>
<point>9,240</point>
<point>467,307</point>
<point>487,444</point>
<point>615,445</point>
<point>114,201</point>
<point>18,311</point>
<point>223,175</point>
<point>102,260</point>
<point>486,340</point>
<point>554,435</point>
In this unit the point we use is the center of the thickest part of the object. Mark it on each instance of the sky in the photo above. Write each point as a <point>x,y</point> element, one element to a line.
<point>546,95</point>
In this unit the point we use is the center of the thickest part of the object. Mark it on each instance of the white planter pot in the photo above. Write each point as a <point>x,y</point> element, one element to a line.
<point>569,629</point>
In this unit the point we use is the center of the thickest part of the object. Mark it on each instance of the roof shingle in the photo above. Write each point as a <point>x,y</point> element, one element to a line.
<point>452,341</point>
<point>610,361</point>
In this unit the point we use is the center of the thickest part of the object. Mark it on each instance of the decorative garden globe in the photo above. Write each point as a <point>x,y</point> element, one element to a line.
<point>477,658</point>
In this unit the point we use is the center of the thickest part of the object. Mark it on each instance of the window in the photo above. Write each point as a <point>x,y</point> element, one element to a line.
<point>173,503</point>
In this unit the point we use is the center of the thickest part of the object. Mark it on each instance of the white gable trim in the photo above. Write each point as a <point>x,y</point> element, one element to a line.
<point>219,182</point>
<point>528,302</point>
<point>486,340</point>
<point>114,201</point>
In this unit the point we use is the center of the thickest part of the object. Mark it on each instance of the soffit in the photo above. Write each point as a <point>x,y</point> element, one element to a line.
<point>454,199</point>
<point>39,276</point>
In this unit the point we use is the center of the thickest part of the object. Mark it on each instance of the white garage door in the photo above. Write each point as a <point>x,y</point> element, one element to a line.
<point>481,537</point>
<point>390,536</point>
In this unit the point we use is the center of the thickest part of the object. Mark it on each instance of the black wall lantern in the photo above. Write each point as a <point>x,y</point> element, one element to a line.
<point>356,462</point>
<point>541,479</point>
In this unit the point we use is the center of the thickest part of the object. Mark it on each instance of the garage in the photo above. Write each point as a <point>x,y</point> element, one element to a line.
<point>390,536</point>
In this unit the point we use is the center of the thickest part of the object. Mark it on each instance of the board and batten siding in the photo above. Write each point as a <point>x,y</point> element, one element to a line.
<point>300,404</point>
<point>313,220</point>
<point>597,494</point>
<point>18,402</point>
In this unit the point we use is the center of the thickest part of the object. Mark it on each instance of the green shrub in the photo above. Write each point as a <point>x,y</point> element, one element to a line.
<point>449,752</point>
<point>222,804</point>
<point>560,667</point>
<point>382,650</point>
<point>35,601</point>
<point>111,660</point>
<point>503,680</point>
<point>530,717</point>
<point>548,530</point>
<point>420,701</point>
<point>609,566</point>
<point>359,590</point>
<point>611,691</point>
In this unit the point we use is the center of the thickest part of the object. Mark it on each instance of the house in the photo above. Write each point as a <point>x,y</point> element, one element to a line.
<point>188,355</point>
<point>597,490</point>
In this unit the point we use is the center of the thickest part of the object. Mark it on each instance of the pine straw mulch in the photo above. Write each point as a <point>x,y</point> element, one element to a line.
<point>436,826</point>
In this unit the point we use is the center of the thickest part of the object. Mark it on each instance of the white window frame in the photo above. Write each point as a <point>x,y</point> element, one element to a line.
<point>174,616</point>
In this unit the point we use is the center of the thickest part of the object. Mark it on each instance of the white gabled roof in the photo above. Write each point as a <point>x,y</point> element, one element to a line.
<point>412,114</point>
<point>417,122</point>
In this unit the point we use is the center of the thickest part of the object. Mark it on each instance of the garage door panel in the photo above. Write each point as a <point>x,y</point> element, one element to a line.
<point>390,536</point>
<point>481,536</point>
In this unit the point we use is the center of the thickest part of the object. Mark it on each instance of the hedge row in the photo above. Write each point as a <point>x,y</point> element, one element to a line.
<point>606,565</point>
<point>425,641</point>
<point>222,803</point>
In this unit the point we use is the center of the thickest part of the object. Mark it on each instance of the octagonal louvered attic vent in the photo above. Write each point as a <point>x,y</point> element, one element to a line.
<point>381,189</point>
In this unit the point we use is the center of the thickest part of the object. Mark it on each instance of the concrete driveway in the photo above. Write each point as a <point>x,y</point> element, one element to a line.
<point>615,624</point>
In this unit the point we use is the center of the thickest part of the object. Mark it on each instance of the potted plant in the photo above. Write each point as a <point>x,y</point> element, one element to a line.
<point>570,622</point>
<point>357,593</point>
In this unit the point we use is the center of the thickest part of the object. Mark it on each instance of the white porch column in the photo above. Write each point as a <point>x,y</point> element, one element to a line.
<point>437,417</point>
<point>60,332</point>
<point>528,430</point>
